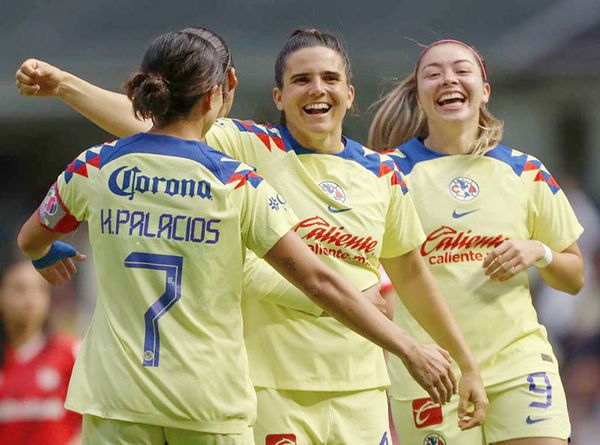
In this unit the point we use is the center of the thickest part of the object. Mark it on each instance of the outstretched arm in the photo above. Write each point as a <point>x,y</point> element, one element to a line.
<point>423,299</point>
<point>294,260</point>
<point>110,111</point>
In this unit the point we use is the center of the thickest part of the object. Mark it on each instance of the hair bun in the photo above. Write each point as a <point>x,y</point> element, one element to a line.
<point>150,94</point>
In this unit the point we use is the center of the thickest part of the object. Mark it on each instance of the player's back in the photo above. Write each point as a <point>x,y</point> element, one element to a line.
<point>168,223</point>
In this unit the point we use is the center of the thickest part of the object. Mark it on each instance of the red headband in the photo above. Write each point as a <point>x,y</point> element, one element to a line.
<point>439,42</point>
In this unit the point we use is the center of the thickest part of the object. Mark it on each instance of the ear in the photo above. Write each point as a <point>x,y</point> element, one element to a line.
<point>350,96</point>
<point>487,92</point>
<point>232,80</point>
<point>277,98</point>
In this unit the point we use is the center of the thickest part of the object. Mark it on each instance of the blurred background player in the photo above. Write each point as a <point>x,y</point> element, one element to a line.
<point>35,364</point>
<point>490,212</point>
<point>164,359</point>
<point>354,209</point>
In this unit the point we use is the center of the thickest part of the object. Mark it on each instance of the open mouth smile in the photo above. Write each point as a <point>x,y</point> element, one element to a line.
<point>317,108</point>
<point>451,99</point>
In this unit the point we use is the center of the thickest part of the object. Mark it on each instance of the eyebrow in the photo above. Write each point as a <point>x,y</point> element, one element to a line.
<point>453,63</point>
<point>322,73</point>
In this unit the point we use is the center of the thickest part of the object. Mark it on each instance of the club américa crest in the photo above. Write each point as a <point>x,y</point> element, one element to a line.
<point>334,191</point>
<point>463,189</point>
<point>434,439</point>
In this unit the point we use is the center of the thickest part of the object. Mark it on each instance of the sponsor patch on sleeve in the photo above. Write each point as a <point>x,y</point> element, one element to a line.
<point>53,215</point>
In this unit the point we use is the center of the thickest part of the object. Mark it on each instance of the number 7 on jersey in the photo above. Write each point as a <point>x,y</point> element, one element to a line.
<point>173,266</point>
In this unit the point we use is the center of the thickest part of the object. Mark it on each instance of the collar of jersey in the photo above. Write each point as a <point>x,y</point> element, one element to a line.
<point>299,149</point>
<point>158,137</point>
<point>419,145</point>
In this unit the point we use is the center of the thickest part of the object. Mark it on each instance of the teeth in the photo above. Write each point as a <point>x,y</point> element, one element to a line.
<point>317,106</point>
<point>450,96</point>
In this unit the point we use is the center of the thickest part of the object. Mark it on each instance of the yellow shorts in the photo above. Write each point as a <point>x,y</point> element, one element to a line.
<point>533,405</point>
<point>318,418</point>
<point>101,431</point>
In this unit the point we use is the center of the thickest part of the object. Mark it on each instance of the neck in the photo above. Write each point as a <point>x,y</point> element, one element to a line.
<point>455,138</point>
<point>318,142</point>
<point>183,129</point>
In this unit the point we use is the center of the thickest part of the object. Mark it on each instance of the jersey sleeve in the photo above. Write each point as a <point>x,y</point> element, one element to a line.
<point>225,136</point>
<point>266,216</point>
<point>246,141</point>
<point>551,218</point>
<point>403,230</point>
<point>263,282</point>
<point>66,203</point>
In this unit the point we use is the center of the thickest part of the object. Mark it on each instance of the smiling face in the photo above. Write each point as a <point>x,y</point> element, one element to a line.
<point>450,86</point>
<point>315,95</point>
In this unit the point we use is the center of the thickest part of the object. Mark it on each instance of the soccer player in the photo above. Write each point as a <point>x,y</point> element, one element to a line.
<point>354,209</point>
<point>490,213</point>
<point>35,364</point>
<point>169,220</point>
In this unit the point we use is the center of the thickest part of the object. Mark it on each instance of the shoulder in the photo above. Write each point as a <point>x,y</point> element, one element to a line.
<point>91,159</point>
<point>231,171</point>
<point>411,153</point>
<point>380,165</point>
<point>529,168</point>
<point>271,136</point>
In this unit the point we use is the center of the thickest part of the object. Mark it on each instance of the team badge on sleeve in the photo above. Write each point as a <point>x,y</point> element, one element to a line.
<point>53,215</point>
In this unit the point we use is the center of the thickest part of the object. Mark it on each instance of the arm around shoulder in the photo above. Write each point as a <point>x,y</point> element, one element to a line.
<point>109,110</point>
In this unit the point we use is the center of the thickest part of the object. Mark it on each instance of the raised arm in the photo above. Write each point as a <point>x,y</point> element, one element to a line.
<point>110,111</point>
<point>294,260</point>
<point>423,299</point>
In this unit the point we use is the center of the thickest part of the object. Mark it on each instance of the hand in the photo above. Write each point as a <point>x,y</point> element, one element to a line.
<point>512,257</point>
<point>429,365</point>
<point>62,271</point>
<point>37,78</point>
<point>471,391</point>
<point>374,296</point>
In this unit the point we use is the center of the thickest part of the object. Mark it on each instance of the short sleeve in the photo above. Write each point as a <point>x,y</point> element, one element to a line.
<point>266,215</point>
<point>403,230</point>
<point>551,218</point>
<point>67,202</point>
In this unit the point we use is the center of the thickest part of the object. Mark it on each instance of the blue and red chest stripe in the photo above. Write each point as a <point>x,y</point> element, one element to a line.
<point>522,163</point>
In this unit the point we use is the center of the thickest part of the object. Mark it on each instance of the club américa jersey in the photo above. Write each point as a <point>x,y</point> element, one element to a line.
<point>169,222</point>
<point>33,385</point>
<point>468,205</point>
<point>354,208</point>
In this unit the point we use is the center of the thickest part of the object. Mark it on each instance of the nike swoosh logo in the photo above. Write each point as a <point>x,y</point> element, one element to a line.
<point>531,421</point>
<point>456,215</point>
<point>332,210</point>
